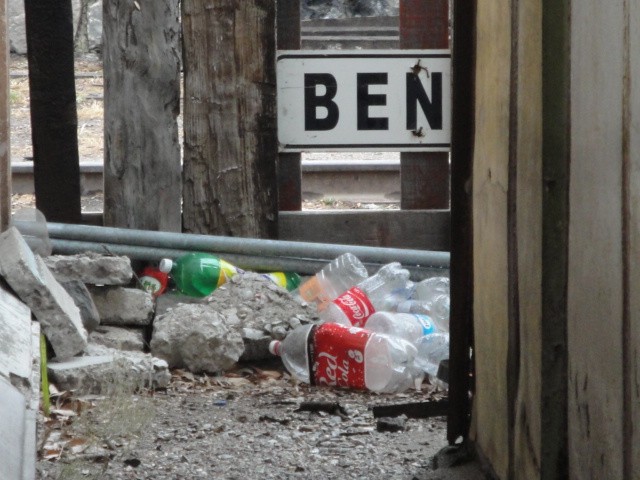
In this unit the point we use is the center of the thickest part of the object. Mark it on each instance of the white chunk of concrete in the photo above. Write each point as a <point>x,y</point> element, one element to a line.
<point>91,268</point>
<point>197,338</point>
<point>120,338</point>
<point>32,281</point>
<point>123,306</point>
<point>106,370</point>
<point>15,340</point>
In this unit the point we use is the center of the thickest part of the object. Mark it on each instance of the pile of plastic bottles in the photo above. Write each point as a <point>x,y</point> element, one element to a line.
<point>382,332</point>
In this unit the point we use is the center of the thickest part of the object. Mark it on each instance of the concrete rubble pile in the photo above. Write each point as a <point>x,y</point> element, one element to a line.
<point>102,331</point>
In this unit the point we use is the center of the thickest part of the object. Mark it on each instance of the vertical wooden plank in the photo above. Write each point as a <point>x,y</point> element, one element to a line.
<point>461,270</point>
<point>555,231</point>
<point>230,141</point>
<point>490,267</point>
<point>595,289</point>
<point>527,213</point>
<point>631,174</point>
<point>289,164</point>
<point>424,177</point>
<point>142,101</point>
<point>54,120</point>
<point>5,150</point>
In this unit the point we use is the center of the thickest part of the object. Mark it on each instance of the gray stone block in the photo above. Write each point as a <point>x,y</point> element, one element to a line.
<point>104,370</point>
<point>196,337</point>
<point>120,338</point>
<point>84,301</point>
<point>15,340</point>
<point>32,281</point>
<point>12,431</point>
<point>91,268</point>
<point>123,306</point>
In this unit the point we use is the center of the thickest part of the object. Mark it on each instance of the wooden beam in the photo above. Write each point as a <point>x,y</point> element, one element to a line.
<point>289,169</point>
<point>418,229</point>
<point>142,186</point>
<point>230,142</point>
<point>5,150</point>
<point>54,120</point>
<point>424,177</point>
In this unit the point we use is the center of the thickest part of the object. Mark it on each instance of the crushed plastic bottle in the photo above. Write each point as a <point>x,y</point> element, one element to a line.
<point>408,326</point>
<point>154,280</point>
<point>335,278</point>
<point>432,349</point>
<point>358,303</point>
<point>340,356</point>
<point>288,280</point>
<point>198,274</point>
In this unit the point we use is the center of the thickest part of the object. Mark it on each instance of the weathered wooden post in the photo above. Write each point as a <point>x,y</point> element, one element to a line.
<point>289,164</point>
<point>424,177</point>
<point>230,143</point>
<point>5,151</point>
<point>141,105</point>
<point>54,119</point>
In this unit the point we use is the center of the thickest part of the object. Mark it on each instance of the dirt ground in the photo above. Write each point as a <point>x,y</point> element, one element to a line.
<point>252,423</point>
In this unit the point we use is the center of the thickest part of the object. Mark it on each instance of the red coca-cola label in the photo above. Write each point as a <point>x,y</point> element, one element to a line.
<point>338,355</point>
<point>356,306</point>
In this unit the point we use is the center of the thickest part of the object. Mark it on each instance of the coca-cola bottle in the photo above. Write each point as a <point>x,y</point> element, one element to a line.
<point>340,356</point>
<point>337,276</point>
<point>358,303</point>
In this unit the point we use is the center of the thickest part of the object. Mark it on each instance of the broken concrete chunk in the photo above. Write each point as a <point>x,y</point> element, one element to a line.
<point>121,338</point>
<point>91,268</point>
<point>83,300</point>
<point>104,370</point>
<point>260,310</point>
<point>197,338</point>
<point>15,340</point>
<point>32,281</point>
<point>171,300</point>
<point>123,306</point>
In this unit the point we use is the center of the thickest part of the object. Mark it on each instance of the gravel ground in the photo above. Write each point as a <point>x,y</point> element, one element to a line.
<point>251,423</point>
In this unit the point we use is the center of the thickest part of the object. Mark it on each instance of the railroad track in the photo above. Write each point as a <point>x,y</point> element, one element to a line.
<point>369,181</point>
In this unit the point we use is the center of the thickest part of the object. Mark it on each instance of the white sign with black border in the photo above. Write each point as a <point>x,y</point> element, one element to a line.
<point>364,100</point>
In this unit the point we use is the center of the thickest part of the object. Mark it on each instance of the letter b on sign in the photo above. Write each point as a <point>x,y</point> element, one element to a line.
<point>312,101</point>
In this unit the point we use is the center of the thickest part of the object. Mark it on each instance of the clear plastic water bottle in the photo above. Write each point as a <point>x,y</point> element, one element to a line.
<point>340,356</point>
<point>429,288</point>
<point>408,326</point>
<point>358,303</point>
<point>437,309</point>
<point>198,274</point>
<point>432,349</point>
<point>336,277</point>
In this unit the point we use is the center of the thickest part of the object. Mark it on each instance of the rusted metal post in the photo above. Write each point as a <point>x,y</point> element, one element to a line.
<point>424,177</point>
<point>54,118</point>
<point>289,169</point>
<point>5,150</point>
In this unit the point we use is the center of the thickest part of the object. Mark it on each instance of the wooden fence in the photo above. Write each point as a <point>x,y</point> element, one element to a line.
<point>228,179</point>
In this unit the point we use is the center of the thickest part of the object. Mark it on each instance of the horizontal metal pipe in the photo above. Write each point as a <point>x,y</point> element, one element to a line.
<point>304,266</point>
<point>247,246</point>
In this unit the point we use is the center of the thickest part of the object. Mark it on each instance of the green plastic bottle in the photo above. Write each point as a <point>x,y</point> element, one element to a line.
<point>198,274</point>
<point>288,280</point>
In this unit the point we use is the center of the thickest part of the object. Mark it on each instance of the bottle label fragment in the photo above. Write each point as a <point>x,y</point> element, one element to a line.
<point>338,355</point>
<point>356,306</point>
